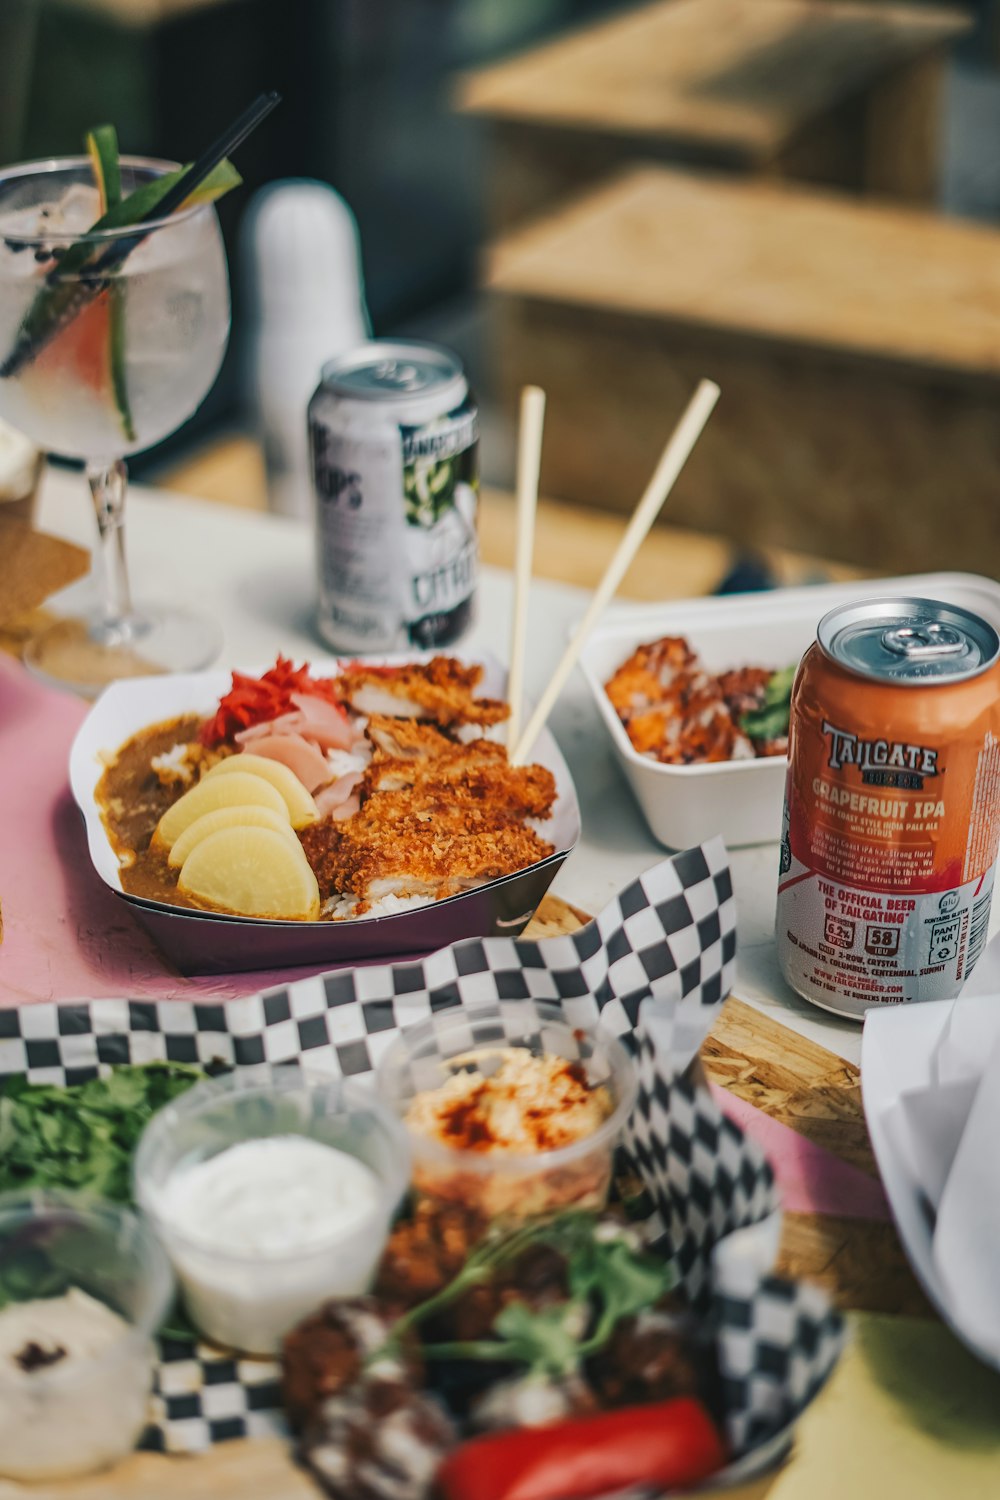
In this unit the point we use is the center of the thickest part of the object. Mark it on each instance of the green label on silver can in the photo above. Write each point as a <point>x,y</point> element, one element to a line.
<point>396,526</point>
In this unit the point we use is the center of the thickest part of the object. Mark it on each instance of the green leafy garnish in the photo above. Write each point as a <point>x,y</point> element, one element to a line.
<point>607,1278</point>
<point>770,720</point>
<point>546,1340</point>
<point>81,1138</point>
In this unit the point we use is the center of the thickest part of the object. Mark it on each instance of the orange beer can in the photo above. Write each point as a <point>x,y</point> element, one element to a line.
<point>892,805</point>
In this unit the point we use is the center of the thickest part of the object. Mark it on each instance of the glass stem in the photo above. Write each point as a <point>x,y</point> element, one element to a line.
<point>108,482</point>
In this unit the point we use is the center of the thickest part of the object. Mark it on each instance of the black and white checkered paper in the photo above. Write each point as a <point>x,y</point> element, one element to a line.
<point>654,968</point>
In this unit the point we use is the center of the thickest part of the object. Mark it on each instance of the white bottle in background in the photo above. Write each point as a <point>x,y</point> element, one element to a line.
<point>302,265</point>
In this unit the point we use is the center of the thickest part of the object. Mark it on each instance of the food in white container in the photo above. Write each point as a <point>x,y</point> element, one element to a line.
<point>510,1111</point>
<point>270,1196</point>
<point>85,1287</point>
<point>680,714</point>
<point>739,799</point>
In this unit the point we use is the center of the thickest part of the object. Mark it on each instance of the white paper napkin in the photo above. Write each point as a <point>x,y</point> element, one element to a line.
<point>968,1038</point>
<point>967,1234</point>
<point>929,1119</point>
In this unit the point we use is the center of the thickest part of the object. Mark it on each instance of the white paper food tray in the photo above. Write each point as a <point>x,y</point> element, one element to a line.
<point>739,799</point>
<point>204,942</point>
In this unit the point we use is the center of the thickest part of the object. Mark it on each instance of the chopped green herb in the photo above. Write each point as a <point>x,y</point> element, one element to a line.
<point>81,1138</point>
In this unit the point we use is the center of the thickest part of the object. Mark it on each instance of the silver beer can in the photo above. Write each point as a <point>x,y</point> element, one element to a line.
<point>394,443</point>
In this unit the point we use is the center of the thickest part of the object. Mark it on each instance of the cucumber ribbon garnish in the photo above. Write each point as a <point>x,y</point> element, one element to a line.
<point>81,273</point>
<point>102,148</point>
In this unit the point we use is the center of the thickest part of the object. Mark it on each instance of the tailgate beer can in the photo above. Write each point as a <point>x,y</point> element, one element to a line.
<point>889,842</point>
<point>394,432</point>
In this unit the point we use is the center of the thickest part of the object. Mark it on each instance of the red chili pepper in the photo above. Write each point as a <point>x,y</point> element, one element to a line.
<point>258,700</point>
<point>670,1444</point>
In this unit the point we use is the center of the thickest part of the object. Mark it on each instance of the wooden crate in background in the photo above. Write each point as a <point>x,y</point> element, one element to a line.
<point>857,347</point>
<point>848,95</point>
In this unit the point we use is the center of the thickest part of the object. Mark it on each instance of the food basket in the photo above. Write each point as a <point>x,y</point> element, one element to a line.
<point>206,943</point>
<point>654,968</point>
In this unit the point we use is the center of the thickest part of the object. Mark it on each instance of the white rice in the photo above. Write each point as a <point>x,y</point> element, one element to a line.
<point>173,763</point>
<point>341,908</point>
<point>344,762</point>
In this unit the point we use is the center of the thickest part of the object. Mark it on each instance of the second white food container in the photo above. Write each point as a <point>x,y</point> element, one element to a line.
<point>739,799</point>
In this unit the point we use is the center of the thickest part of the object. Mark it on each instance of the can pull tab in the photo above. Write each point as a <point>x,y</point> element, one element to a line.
<point>928,640</point>
<point>398,375</point>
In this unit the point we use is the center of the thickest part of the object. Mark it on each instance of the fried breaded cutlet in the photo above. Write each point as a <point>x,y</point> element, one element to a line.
<point>441,690</point>
<point>431,841</point>
<point>406,739</point>
<point>479,771</point>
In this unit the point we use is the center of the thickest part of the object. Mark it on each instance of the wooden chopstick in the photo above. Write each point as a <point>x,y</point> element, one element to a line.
<point>672,460</point>
<point>529,458</point>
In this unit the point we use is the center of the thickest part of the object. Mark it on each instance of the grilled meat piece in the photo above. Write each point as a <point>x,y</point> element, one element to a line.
<point>426,1251</point>
<point>379,1440</point>
<point>648,675</point>
<point>326,1353</point>
<point>652,1357</point>
<point>537,1277</point>
<point>776,746</point>
<point>441,690</point>
<point>743,688</point>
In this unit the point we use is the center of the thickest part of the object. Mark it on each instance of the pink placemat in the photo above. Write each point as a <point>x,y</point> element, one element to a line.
<point>812,1180</point>
<point>65,936</point>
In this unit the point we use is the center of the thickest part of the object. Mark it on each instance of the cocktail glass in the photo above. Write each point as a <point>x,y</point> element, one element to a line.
<point>133,363</point>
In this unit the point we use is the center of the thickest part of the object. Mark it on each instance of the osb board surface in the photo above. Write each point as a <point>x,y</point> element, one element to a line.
<point>741,74</point>
<point>860,1261</point>
<point>791,267</point>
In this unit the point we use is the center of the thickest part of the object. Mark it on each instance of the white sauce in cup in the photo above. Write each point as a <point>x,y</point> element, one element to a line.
<point>266,1230</point>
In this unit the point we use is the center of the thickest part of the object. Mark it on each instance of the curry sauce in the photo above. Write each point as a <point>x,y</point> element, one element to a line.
<point>133,799</point>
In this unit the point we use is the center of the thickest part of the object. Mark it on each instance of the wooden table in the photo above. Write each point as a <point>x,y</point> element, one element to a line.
<point>908,1411</point>
<point>844,94</point>
<point>857,346</point>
